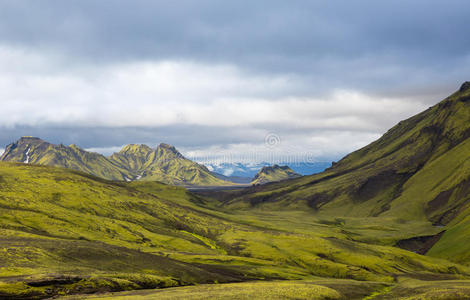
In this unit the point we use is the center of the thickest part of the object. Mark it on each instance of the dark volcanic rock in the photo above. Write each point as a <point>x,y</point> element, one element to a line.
<point>465,86</point>
<point>420,244</point>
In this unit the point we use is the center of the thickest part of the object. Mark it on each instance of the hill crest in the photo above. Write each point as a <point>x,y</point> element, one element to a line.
<point>274,173</point>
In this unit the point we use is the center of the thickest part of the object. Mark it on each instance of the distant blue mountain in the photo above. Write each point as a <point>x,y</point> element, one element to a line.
<point>249,170</point>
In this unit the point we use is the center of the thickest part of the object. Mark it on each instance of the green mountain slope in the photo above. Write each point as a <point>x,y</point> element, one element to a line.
<point>36,151</point>
<point>133,162</point>
<point>66,232</point>
<point>419,170</point>
<point>274,173</point>
<point>164,164</point>
<point>132,157</point>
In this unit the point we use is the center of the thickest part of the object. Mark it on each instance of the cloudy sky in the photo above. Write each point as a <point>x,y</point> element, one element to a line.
<point>312,78</point>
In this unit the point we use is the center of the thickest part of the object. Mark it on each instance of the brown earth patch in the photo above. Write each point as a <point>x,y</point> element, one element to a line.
<point>420,244</point>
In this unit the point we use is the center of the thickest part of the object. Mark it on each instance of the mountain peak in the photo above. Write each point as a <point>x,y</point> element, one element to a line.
<point>465,86</point>
<point>20,151</point>
<point>165,149</point>
<point>273,168</point>
<point>74,146</point>
<point>135,148</point>
<point>29,140</point>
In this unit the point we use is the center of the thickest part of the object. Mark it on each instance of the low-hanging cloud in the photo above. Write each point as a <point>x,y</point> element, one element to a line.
<point>181,93</point>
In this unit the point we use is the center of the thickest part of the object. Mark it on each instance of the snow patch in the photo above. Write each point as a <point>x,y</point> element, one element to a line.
<point>127,179</point>
<point>228,172</point>
<point>26,161</point>
<point>138,177</point>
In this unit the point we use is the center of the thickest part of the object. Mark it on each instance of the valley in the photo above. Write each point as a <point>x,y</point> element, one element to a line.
<point>389,221</point>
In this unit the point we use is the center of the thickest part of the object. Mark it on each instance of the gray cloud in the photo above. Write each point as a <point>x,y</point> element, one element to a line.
<point>212,74</point>
<point>363,44</point>
<point>103,137</point>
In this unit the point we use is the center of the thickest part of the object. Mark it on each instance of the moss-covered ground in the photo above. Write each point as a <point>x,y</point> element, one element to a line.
<point>64,232</point>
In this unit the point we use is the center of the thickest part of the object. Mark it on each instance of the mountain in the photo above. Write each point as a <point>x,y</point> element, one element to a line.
<point>164,164</point>
<point>273,174</point>
<point>33,150</point>
<point>419,171</point>
<point>133,162</point>
<point>133,157</point>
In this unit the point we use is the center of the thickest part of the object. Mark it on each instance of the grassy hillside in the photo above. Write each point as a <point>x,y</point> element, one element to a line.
<point>311,289</point>
<point>273,174</point>
<point>317,289</point>
<point>419,171</point>
<point>66,232</point>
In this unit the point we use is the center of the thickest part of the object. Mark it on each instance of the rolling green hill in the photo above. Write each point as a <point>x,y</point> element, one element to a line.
<point>419,170</point>
<point>320,289</point>
<point>133,162</point>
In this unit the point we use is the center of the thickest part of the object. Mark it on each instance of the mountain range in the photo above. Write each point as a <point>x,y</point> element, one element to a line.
<point>133,162</point>
<point>249,169</point>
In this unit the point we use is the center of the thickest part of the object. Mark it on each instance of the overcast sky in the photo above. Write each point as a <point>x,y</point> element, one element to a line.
<point>313,78</point>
